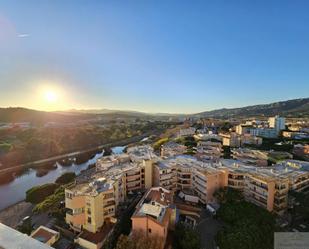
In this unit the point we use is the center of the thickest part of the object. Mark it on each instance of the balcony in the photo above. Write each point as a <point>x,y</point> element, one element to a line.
<point>200,188</point>
<point>133,178</point>
<point>257,185</point>
<point>134,173</point>
<point>200,182</point>
<point>109,204</point>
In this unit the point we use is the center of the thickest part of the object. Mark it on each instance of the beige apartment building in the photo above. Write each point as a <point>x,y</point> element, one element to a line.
<point>93,200</point>
<point>186,172</point>
<point>267,186</point>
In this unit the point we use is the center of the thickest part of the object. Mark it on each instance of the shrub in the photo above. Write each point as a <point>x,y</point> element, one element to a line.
<point>66,178</point>
<point>38,194</point>
<point>157,145</point>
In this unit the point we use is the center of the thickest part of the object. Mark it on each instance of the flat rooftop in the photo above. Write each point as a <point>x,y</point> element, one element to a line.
<point>12,239</point>
<point>44,234</point>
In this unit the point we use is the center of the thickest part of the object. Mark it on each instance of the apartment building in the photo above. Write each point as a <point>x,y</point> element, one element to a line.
<point>187,173</point>
<point>208,150</point>
<point>267,186</point>
<point>170,149</point>
<point>250,157</point>
<point>277,123</point>
<point>236,140</point>
<point>141,153</point>
<point>186,132</point>
<point>93,200</point>
<point>164,175</point>
<point>91,205</point>
<point>231,139</point>
<point>295,135</point>
<point>155,214</point>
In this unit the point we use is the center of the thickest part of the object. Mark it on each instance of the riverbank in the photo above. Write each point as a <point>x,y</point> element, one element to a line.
<point>53,159</point>
<point>13,214</point>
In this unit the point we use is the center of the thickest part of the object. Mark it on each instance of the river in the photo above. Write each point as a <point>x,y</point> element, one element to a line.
<point>14,191</point>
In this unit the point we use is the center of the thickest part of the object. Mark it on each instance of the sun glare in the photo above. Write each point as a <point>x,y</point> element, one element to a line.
<point>50,96</point>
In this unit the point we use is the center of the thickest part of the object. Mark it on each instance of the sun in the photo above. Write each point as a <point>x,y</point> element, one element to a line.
<point>50,96</point>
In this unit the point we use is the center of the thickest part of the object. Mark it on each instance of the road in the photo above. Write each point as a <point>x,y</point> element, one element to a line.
<point>72,154</point>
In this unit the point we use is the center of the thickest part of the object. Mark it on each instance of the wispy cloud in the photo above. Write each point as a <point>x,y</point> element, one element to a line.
<point>23,35</point>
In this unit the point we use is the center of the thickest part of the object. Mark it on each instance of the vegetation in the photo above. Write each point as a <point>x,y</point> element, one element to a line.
<point>138,241</point>
<point>246,225</point>
<point>224,195</point>
<point>26,226</point>
<point>226,127</point>
<point>5,147</point>
<point>289,108</point>
<point>41,142</point>
<point>123,226</point>
<point>302,207</point>
<point>188,141</point>
<point>226,152</point>
<point>52,202</point>
<point>185,238</point>
<point>157,145</point>
<point>66,178</point>
<point>38,194</point>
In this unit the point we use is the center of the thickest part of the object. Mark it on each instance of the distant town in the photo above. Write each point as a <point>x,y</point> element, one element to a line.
<point>228,179</point>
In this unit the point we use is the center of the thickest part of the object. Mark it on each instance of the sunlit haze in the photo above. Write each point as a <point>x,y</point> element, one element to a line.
<point>153,56</point>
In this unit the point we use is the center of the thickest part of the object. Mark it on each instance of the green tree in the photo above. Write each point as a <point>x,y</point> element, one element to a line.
<point>246,226</point>
<point>185,238</point>
<point>138,241</point>
<point>66,178</point>
<point>52,202</point>
<point>38,194</point>
<point>227,194</point>
<point>157,145</point>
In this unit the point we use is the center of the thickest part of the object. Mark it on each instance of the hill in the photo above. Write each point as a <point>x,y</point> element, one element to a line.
<point>289,108</point>
<point>18,114</point>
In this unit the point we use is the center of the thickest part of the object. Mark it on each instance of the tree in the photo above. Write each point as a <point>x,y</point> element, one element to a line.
<point>157,145</point>
<point>39,193</point>
<point>138,241</point>
<point>246,226</point>
<point>227,194</point>
<point>26,226</point>
<point>185,238</point>
<point>52,202</point>
<point>66,178</point>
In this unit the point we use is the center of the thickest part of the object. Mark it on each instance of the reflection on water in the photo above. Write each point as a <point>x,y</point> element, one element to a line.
<point>13,190</point>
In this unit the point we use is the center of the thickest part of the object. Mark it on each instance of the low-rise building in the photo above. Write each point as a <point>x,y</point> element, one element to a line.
<point>186,132</point>
<point>45,235</point>
<point>295,135</point>
<point>172,149</point>
<point>250,156</point>
<point>10,238</point>
<point>208,150</point>
<point>155,214</point>
<point>236,140</point>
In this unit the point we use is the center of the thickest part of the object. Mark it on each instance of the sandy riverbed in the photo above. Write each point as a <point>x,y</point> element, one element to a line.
<point>12,215</point>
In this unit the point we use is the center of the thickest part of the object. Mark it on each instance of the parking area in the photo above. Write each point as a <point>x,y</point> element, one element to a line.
<point>208,227</point>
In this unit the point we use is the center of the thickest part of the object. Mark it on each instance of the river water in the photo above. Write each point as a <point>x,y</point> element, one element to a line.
<point>13,192</point>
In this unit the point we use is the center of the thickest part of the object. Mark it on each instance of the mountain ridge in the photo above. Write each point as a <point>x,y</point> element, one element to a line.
<point>289,108</point>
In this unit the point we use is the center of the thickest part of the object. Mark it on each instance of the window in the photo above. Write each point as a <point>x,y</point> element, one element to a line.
<point>149,230</point>
<point>89,220</point>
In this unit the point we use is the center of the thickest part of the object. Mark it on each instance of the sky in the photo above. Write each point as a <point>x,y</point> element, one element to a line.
<point>153,56</point>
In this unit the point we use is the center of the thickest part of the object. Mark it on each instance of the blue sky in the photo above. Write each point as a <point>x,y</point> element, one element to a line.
<point>156,56</point>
